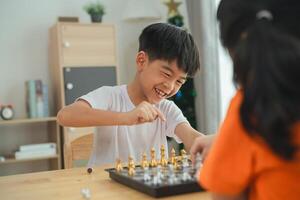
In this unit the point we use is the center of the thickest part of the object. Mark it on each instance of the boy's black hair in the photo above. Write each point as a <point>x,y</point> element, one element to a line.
<point>168,42</point>
<point>266,57</point>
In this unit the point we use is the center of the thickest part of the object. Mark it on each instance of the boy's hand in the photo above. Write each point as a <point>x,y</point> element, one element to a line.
<point>201,145</point>
<point>144,112</point>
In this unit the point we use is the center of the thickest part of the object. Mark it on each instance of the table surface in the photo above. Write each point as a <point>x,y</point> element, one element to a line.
<point>68,183</point>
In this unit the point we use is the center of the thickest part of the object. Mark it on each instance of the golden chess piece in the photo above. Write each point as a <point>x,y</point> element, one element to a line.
<point>163,160</point>
<point>175,165</point>
<point>144,162</point>
<point>119,166</point>
<point>153,162</point>
<point>131,162</point>
<point>131,166</point>
<point>131,171</point>
<point>173,156</point>
<point>182,155</point>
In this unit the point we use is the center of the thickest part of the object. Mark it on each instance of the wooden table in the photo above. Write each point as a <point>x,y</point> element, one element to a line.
<point>68,183</point>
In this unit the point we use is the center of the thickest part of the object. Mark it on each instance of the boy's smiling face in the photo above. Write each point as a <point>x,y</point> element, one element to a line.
<point>159,79</point>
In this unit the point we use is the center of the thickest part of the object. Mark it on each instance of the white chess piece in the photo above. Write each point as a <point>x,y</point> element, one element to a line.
<point>86,193</point>
<point>172,177</point>
<point>147,176</point>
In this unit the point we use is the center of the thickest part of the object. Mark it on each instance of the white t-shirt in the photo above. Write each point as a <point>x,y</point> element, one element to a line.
<point>112,142</point>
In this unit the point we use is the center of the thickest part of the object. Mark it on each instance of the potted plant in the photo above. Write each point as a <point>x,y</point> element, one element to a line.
<point>95,10</point>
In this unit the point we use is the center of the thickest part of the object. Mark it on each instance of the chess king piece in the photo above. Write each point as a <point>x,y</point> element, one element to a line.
<point>131,166</point>
<point>144,162</point>
<point>153,162</point>
<point>119,166</point>
<point>173,156</point>
<point>163,160</point>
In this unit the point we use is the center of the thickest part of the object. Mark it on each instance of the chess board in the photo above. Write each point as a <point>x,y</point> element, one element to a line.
<point>171,181</point>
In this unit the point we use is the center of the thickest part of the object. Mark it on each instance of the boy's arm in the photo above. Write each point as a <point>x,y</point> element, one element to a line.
<point>187,134</point>
<point>81,114</point>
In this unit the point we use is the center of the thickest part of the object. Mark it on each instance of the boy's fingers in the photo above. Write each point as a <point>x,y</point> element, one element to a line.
<point>160,114</point>
<point>196,147</point>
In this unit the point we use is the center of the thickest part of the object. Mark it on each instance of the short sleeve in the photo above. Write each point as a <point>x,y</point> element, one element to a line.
<point>174,117</point>
<point>228,167</point>
<point>99,98</point>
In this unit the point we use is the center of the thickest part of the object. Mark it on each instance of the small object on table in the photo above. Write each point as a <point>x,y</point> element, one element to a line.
<point>86,193</point>
<point>89,170</point>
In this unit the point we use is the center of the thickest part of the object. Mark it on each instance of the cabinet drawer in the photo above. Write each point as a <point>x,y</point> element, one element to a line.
<point>88,45</point>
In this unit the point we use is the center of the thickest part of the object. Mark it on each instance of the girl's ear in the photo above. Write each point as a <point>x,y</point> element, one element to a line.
<point>140,60</point>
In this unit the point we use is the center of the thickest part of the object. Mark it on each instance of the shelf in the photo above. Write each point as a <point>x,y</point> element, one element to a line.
<point>27,120</point>
<point>13,160</point>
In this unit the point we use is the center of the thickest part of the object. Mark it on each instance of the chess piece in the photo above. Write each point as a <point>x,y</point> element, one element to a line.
<point>186,176</point>
<point>89,170</point>
<point>153,162</point>
<point>144,162</point>
<point>163,160</point>
<point>131,166</point>
<point>147,176</point>
<point>172,177</point>
<point>86,193</point>
<point>159,174</point>
<point>131,162</point>
<point>119,166</point>
<point>173,155</point>
<point>184,158</point>
<point>176,166</point>
<point>156,180</point>
<point>131,171</point>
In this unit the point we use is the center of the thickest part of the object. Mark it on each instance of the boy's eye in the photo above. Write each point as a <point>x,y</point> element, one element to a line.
<point>180,82</point>
<point>166,74</point>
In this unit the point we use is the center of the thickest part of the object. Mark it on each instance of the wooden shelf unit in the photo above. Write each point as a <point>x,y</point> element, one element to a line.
<point>53,135</point>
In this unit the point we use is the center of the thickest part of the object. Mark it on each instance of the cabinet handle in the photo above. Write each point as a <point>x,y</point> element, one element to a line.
<point>66,44</point>
<point>69,86</point>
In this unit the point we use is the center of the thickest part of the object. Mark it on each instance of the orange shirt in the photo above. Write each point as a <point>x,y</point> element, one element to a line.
<point>238,162</point>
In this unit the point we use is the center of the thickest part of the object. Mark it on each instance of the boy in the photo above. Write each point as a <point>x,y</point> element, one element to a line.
<point>133,118</point>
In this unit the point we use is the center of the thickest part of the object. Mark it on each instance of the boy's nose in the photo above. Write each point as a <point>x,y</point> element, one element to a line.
<point>169,85</point>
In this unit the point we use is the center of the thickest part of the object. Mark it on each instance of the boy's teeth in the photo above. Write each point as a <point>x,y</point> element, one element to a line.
<point>162,94</point>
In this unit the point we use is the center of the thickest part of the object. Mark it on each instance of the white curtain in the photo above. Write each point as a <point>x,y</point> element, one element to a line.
<point>203,26</point>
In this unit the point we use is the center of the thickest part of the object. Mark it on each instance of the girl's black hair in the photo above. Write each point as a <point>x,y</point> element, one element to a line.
<point>266,58</point>
<point>168,42</point>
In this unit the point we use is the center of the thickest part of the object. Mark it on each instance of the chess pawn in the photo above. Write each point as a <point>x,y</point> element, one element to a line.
<point>131,166</point>
<point>144,162</point>
<point>173,155</point>
<point>131,162</point>
<point>163,160</point>
<point>176,166</point>
<point>153,162</point>
<point>131,171</point>
<point>119,166</point>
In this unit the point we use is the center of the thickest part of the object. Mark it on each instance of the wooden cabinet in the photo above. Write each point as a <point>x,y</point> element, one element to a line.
<point>45,128</point>
<point>82,58</point>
